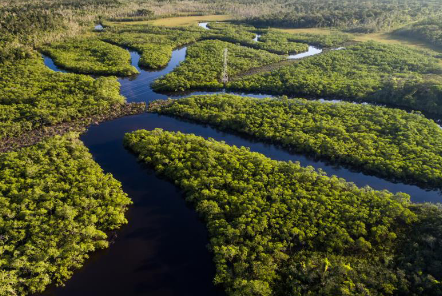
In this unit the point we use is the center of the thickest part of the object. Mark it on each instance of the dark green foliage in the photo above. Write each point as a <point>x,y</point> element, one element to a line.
<point>356,16</point>
<point>32,95</point>
<point>56,205</point>
<point>91,56</point>
<point>387,142</point>
<point>204,65</point>
<point>155,44</point>
<point>278,228</point>
<point>387,74</point>
<point>429,30</point>
<point>322,40</point>
<point>276,43</point>
<point>24,24</point>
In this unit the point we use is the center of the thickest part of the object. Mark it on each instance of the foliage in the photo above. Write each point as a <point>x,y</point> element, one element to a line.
<point>356,16</point>
<point>32,95</point>
<point>322,40</point>
<point>155,44</point>
<point>277,228</point>
<point>388,74</point>
<point>56,205</point>
<point>25,25</point>
<point>243,35</point>
<point>91,56</point>
<point>388,142</point>
<point>429,30</point>
<point>204,65</point>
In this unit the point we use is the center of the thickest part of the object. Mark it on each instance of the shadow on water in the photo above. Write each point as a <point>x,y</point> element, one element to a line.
<point>162,251</point>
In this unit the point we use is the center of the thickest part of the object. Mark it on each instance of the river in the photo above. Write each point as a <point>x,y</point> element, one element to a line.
<point>162,251</point>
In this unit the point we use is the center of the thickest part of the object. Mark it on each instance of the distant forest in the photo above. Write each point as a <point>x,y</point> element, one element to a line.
<point>25,24</point>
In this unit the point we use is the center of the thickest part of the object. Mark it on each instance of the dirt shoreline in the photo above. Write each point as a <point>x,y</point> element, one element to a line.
<point>35,136</point>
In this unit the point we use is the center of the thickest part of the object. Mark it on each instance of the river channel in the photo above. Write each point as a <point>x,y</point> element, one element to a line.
<point>162,251</point>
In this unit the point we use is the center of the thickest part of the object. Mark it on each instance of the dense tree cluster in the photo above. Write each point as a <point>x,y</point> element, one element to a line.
<point>277,228</point>
<point>357,16</point>
<point>203,66</point>
<point>91,56</point>
<point>32,95</point>
<point>279,44</point>
<point>388,142</point>
<point>155,44</point>
<point>321,40</point>
<point>56,205</point>
<point>24,25</point>
<point>429,30</point>
<point>388,74</point>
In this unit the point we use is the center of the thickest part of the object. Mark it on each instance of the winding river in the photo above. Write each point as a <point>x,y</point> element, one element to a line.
<point>162,251</point>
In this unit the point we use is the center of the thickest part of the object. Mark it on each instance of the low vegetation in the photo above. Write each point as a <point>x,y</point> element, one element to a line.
<point>155,44</point>
<point>369,71</point>
<point>321,40</point>
<point>354,16</point>
<point>203,66</point>
<point>32,96</point>
<point>429,30</point>
<point>388,142</point>
<point>56,205</point>
<point>189,20</point>
<point>277,228</point>
<point>245,35</point>
<point>91,56</point>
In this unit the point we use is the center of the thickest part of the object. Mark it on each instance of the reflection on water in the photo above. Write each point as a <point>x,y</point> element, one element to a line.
<point>99,27</point>
<point>162,251</point>
<point>312,50</point>
<point>204,25</point>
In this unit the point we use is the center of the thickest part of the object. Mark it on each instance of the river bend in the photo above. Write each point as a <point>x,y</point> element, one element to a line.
<point>162,251</point>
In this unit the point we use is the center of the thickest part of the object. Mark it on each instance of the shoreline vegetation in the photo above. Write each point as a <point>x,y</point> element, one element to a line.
<point>90,56</point>
<point>204,65</point>
<point>277,227</point>
<point>56,206</point>
<point>79,126</point>
<point>369,71</point>
<point>389,143</point>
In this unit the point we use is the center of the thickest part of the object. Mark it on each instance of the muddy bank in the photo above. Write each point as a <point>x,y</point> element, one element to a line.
<point>32,137</point>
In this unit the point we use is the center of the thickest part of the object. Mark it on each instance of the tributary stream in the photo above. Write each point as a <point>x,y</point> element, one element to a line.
<point>163,249</point>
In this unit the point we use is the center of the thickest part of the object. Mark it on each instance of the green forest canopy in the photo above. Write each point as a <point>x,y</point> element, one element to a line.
<point>428,30</point>
<point>388,142</point>
<point>56,205</point>
<point>369,71</point>
<point>203,66</point>
<point>91,56</point>
<point>32,96</point>
<point>277,228</point>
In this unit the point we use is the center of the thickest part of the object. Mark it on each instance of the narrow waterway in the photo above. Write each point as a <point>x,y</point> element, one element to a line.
<point>162,251</point>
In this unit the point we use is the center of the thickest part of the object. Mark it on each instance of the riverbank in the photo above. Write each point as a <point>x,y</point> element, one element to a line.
<point>35,136</point>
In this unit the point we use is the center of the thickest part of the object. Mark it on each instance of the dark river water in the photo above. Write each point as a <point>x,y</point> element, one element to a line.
<point>162,251</point>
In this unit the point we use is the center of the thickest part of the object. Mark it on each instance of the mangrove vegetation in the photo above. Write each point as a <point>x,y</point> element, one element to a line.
<point>203,66</point>
<point>387,142</point>
<point>91,56</point>
<point>369,71</point>
<point>56,207</point>
<point>277,228</point>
